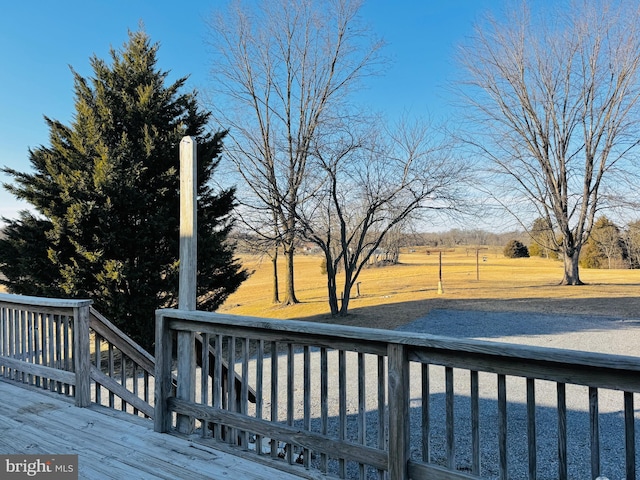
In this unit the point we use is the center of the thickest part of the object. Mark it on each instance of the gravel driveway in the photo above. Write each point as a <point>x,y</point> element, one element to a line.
<point>578,332</point>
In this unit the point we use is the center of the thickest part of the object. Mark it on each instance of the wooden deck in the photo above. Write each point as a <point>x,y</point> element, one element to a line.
<point>111,444</point>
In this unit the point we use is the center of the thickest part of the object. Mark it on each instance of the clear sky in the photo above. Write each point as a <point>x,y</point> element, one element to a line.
<point>41,39</point>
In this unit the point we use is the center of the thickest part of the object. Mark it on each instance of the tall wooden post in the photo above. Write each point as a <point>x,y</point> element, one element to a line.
<point>188,224</point>
<point>188,272</point>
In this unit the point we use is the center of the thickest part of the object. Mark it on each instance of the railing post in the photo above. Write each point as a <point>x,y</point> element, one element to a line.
<point>399,439</point>
<point>164,347</point>
<point>82,355</point>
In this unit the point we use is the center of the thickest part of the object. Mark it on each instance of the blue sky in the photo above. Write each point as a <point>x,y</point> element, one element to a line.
<point>40,39</point>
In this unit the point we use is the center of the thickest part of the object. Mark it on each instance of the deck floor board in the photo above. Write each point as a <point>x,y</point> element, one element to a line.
<point>111,445</point>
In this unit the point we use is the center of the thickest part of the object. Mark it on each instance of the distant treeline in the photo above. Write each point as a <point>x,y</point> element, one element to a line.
<point>249,244</point>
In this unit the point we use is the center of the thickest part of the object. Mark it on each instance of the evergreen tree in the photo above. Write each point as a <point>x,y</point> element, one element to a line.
<point>106,193</point>
<point>516,249</point>
<point>605,247</point>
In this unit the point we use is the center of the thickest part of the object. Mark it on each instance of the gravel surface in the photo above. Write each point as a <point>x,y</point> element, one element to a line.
<point>578,332</point>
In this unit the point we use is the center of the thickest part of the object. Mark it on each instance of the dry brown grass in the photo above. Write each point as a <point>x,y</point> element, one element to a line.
<point>395,295</point>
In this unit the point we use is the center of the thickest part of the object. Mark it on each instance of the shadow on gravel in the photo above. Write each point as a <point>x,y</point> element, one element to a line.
<point>612,446</point>
<point>612,443</point>
<point>487,324</point>
<point>518,316</point>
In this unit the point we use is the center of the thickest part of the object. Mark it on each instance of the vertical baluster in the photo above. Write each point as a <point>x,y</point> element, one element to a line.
<point>231,386</point>
<point>111,369</point>
<point>531,428</point>
<point>259,390</point>
<point>274,394</point>
<point>2,334</point>
<point>594,422</point>
<point>324,404</point>
<point>450,421</point>
<point>58,349</point>
<point>342,406</point>
<point>98,355</point>
<point>362,421</point>
<point>475,423</point>
<point>134,377</point>
<point>502,425</point>
<point>23,341</point>
<point>217,384</point>
<point>244,388</point>
<point>30,343</point>
<point>44,336</point>
<point>37,320</point>
<point>146,386</point>
<point>290,394</point>
<point>66,348</point>
<point>52,347</point>
<point>562,431</point>
<point>3,337</point>
<point>12,339</point>
<point>306,454</point>
<point>123,379</point>
<point>629,436</point>
<point>382,423</point>
<point>204,380</point>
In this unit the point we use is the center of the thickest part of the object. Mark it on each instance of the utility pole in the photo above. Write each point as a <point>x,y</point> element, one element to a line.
<point>440,288</point>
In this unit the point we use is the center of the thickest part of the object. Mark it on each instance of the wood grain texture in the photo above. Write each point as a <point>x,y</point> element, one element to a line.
<point>111,444</point>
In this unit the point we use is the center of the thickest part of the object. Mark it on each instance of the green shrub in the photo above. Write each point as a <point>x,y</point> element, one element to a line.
<point>516,249</point>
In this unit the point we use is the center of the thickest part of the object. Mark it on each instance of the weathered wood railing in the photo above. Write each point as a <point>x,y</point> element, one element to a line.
<point>66,346</point>
<point>44,343</point>
<point>122,372</point>
<point>364,403</point>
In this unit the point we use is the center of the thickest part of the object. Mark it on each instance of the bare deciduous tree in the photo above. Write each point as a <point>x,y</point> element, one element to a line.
<point>373,181</point>
<point>281,69</point>
<point>557,101</point>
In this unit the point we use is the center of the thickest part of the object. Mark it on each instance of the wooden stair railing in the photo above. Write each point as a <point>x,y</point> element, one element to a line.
<point>68,347</point>
<point>125,362</point>
<point>125,355</point>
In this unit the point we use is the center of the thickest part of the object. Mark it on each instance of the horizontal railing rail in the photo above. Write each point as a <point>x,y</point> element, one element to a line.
<point>61,345</point>
<point>366,403</point>
<point>44,343</point>
<point>68,347</point>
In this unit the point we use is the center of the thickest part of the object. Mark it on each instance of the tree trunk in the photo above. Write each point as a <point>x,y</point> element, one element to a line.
<point>331,285</point>
<point>346,296</point>
<point>348,285</point>
<point>290,294</point>
<point>571,273</point>
<point>276,292</point>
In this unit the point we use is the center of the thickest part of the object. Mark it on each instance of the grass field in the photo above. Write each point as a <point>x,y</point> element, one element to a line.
<point>395,295</point>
